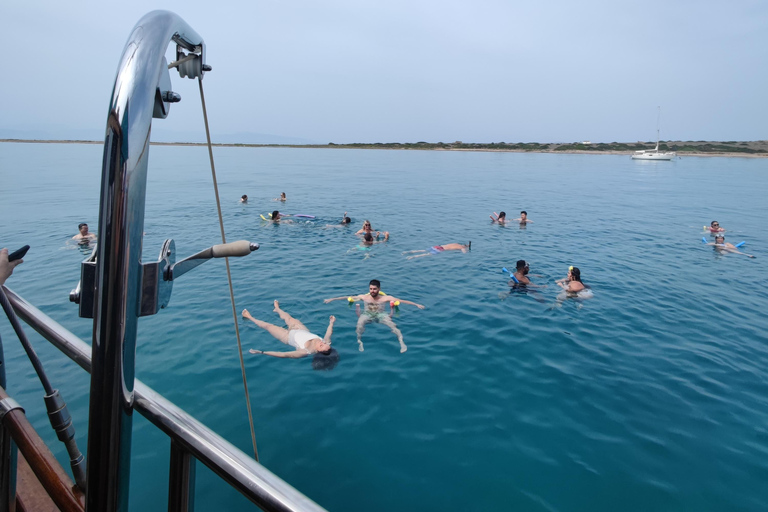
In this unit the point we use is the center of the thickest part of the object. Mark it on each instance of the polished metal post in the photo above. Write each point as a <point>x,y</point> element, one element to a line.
<point>141,76</point>
<point>181,479</point>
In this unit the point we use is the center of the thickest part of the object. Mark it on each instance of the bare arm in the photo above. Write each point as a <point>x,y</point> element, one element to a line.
<point>403,301</point>
<point>329,331</point>
<point>354,297</point>
<point>296,354</point>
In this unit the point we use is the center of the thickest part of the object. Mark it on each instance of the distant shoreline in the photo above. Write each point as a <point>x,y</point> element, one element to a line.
<point>754,149</point>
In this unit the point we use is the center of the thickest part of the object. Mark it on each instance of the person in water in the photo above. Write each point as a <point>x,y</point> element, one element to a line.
<point>572,283</point>
<point>521,275</point>
<point>520,282</point>
<point>722,246</point>
<point>523,219</point>
<point>6,267</point>
<point>244,198</point>
<point>345,221</point>
<point>500,218</point>
<point>281,198</point>
<point>375,302</point>
<point>276,216</point>
<point>296,335</point>
<point>368,229</point>
<point>714,227</point>
<point>437,249</point>
<point>368,240</point>
<point>84,236</point>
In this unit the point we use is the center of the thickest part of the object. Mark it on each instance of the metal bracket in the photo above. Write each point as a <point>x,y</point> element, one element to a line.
<point>7,405</point>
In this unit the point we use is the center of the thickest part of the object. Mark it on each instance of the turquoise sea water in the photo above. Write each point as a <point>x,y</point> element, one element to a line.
<point>650,396</point>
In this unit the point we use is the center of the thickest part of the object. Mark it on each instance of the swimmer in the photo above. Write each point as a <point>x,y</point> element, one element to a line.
<point>84,236</point>
<point>521,274</point>
<point>368,229</point>
<point>366,244</point>
<point>523,219</point>
<point>276,216</point>
<point>281,198</point>
<point>369,240</point>
<point>572,283</point>
<point>714,227</point>
<point>722,246</point>
<point>522,283</point>
<point>500,218</point>
<point>244,198</point>
<point>374,311</point>
<point>437,249</point>
<point>296,335</point>
<point>6,267</point>
<point>345,221</point>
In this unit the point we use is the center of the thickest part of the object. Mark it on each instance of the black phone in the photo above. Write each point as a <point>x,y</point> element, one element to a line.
<point>17,255</point>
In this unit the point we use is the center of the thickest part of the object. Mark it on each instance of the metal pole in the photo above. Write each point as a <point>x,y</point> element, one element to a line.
<point>141,73</point>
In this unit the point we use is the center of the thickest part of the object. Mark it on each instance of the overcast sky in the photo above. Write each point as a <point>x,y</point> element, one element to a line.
<point>407,71</point>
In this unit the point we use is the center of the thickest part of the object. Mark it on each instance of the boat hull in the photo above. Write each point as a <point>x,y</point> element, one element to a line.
<point>654,155</point>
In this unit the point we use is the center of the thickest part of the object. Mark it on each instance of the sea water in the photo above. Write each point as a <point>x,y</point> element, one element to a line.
<point>652,395</point>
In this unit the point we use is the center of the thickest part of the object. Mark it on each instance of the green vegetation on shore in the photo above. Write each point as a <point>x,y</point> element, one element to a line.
<point>756,148</point>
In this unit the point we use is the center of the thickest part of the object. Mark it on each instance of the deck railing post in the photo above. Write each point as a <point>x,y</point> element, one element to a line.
<point>141,74</point>
<point>181,479</point>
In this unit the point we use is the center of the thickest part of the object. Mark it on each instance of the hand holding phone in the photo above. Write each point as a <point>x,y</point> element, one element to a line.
<point>18,254</point>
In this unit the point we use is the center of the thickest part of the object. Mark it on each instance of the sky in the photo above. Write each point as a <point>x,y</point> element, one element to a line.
<point>346,71</point>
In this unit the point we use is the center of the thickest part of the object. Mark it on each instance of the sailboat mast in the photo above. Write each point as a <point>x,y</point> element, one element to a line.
<point>658,125</point>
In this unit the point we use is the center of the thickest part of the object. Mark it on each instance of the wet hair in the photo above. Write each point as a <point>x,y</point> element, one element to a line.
<point>326,360</point>
<point>245,196</point>
<point>275,214</point>
<point>576,274</point>
<point>502,214</point>
<point>80,226</point>
<point>376,283</point>
<point>368,237</point>
<point>521,264</point>
<point>713,223</point>
<point>524,212</point>
<point>282,194</point>
<point>346,220</point>
<point>366,222</point>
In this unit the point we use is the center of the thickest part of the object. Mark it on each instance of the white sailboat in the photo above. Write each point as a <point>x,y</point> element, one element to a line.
<point>654,154</point>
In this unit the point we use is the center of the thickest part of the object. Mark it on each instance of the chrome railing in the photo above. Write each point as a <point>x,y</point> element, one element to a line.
<point>112,288</point>
<point>190,439</point>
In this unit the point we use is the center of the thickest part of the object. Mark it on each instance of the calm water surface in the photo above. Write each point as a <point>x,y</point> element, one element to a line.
<point>650,396</point>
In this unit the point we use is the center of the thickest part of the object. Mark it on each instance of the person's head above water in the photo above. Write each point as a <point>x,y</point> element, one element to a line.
<point>502,215</point>
<point>522,266</point>
<point>368,238</point>
<point>366,224</point>
<point>714,224</point>
<point>720,239</point>
<point>244,197</point>
<point>346,220</point>
<point>374,286</point>
<point>83,228</point>
<point>275,215</point>
<point>574,273</point>
<point>523,214</point>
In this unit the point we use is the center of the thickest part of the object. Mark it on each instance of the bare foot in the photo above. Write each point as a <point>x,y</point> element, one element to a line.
<point>403,348</point>
<point>277,307</point>
<point>360,346</point>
